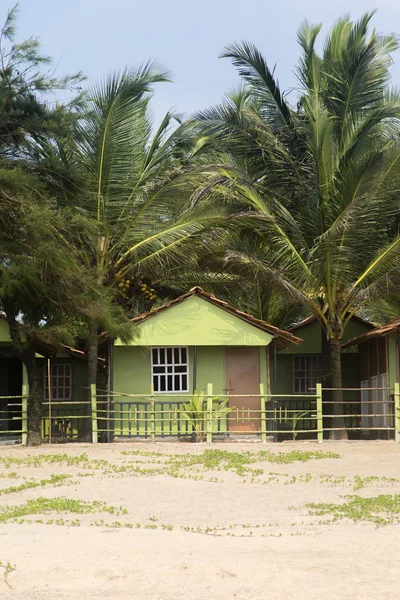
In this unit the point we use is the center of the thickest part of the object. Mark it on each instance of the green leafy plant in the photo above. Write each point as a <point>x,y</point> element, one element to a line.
<point>55,480</point>
<point>319,179</point>
<point>381,510</point>
<point>41,506</point>
<point>294,420</point>
<point>196,413</point>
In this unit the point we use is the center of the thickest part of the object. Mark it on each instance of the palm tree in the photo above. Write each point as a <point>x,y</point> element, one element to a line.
<point>130,184</point>
<point>320,182</point>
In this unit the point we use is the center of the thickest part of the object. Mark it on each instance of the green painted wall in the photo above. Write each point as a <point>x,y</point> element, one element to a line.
<point>132,370</point>
<point>263,367</point>
<point>132,375</point>
<point>311,334</point>
<point>210,368</point>
<point>197,322</point>
<point>284,363</point>
<point>4,334</point>
<point>284,374</point>
<point>353,329</point>
<point>311,344</point>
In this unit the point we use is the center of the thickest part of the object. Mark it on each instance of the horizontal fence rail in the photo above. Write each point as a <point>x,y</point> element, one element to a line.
<point>64,420</point>
<point>141,416</point>
<point>364,412</point>
<point>14,417</point>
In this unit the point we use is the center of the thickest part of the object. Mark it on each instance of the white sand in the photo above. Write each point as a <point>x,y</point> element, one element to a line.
<point>284,553</point>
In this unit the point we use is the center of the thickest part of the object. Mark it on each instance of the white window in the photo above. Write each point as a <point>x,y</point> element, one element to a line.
<point>170,369</point>
<point>61,381</point>
<point>307,373</point>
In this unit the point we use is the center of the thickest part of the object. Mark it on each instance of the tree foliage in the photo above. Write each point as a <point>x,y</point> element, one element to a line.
<point>27,79</point>
<point>319,182</point>
<point>283,209</point>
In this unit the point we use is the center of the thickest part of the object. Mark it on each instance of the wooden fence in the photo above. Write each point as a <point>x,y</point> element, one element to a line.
<point>277,417</point>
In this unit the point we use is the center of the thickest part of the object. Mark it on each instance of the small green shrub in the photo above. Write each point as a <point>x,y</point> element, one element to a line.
<point>40,506</point>
<point>380,510</point>
<point>195,412</point>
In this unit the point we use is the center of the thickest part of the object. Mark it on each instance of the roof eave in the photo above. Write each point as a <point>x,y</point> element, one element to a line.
<point>378,332</point>
<point>284,338</point>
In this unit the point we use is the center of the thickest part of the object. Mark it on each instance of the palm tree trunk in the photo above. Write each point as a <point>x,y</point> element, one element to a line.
<point>337,393</point>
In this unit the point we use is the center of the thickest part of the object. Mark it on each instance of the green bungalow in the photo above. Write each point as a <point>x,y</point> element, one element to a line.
<point>379,370</point>
<point>194,343</point>
<point>68,376</point>
<point>200,343</point>
<point>299,368</point>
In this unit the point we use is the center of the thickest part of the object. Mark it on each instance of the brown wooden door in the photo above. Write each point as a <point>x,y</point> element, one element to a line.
<point>243,377</point>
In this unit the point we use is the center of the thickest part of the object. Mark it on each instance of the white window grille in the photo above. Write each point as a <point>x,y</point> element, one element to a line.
<point>61,381</point>
<point>307,373</point>
<point>170,369</point>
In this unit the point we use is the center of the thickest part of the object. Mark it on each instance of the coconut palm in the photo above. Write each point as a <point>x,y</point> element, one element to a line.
<point>128,181</point>
<point>321,180</point>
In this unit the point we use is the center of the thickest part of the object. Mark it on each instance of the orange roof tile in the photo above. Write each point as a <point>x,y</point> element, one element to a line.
<point>312,318</point>
<point>377,332</point>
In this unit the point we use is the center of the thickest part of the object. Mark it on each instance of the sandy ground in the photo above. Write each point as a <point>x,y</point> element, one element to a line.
<point>199,534</point>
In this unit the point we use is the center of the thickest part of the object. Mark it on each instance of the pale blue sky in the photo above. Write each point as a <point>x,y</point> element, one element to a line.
<point>186,36</point>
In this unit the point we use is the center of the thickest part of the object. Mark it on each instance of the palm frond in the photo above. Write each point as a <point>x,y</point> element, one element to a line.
<point>254,70</point>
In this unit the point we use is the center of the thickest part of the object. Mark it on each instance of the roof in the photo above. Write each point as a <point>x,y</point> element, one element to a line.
<point>79,353</point>
<point>283,338</point>
<point>380,331</point>
<point>49,350</point>
<point>314,318</point>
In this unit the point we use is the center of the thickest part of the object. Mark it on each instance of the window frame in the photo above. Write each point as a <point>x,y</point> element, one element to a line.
<point>60,363</point>
<point>172,366</point>
<point>306,371</point>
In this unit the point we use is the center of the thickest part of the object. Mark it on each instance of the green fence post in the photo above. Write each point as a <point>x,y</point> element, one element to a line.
<point>153,416</point>
<point>320,432</point>
<point>263,414</point>
<point>94,413</point>
<point>397,412</point>
<point>209,421</point>
<point>24,415</point>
